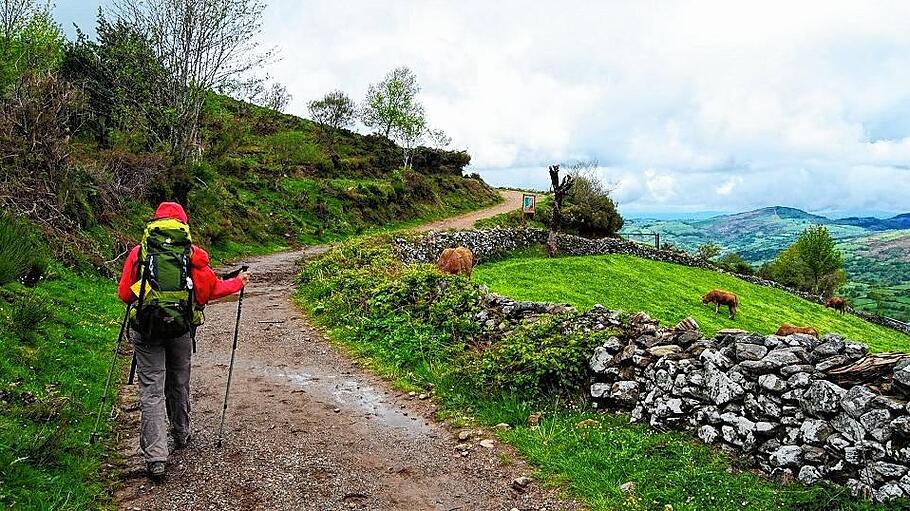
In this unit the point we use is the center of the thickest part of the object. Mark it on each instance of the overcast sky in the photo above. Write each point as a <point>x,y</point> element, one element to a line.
<point>688,106</point>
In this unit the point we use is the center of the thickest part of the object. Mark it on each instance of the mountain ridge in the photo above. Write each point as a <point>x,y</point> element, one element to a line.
<point>899,221</point>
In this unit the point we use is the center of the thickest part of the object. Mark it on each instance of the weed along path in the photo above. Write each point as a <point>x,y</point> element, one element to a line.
<point>309,429</point>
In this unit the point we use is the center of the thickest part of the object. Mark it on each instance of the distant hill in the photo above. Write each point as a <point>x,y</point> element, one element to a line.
<point>901,221</point>
<point>875,250</point>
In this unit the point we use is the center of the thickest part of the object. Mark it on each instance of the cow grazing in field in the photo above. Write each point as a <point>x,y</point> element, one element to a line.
<point>456,261</point>
<point>837,303</point>
<point>720,297</point>
<point>788,329</point>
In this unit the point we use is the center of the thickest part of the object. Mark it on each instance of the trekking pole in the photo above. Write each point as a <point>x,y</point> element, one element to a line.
<point>231,366</point>
<point>110,373</point>
<point>132,377</point>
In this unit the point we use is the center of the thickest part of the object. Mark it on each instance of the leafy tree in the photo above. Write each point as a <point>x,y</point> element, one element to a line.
<point>589,210</point>
<point>333,111</point>
<point>812,263</point>
<point>123,80</point>
<point>30,40</point>
<point>392,103</point>
<point>277,97</point>
<point>735,263</point>
<point>819,254</point>
<point>708,251</point>
<point>408,133</point>
<point>438,139</point>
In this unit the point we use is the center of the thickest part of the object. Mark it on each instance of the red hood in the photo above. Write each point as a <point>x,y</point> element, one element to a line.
<point>200,258</point>
<point>171,210</point>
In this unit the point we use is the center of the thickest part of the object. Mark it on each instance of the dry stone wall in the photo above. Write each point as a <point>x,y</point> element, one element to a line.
<point>771,400</point>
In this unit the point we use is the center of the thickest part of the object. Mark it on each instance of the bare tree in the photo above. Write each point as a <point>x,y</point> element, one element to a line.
<point>277,97</point>
<point>559,188</point>
<point>438,139</point>
<point>391,101</point>
<point>333,111</point>
<point>204,45</point>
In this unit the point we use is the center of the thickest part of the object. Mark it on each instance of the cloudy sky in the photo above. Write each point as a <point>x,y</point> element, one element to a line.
<point>687,106</point>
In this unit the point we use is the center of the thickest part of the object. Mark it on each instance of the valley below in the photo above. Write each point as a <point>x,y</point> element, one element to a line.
<point>876,252</point>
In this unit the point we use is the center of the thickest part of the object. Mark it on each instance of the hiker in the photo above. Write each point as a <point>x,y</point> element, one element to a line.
<point>168,280</point>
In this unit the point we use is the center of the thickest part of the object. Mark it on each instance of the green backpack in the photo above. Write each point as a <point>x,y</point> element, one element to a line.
<point>165,306</point>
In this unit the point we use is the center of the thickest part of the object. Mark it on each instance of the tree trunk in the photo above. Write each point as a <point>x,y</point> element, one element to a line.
<point>560,188</point>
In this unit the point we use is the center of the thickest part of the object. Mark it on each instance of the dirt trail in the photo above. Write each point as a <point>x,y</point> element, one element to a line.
<point>309,429</point>
<point>466,221</point>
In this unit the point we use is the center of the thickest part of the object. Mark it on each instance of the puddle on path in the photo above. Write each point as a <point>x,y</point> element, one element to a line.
<point>338,390</point>
<point>348,393</point>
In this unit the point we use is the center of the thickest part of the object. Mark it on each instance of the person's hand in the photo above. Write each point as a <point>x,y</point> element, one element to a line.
<point>244,277</point>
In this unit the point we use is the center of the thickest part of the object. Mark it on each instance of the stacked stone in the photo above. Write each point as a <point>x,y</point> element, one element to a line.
<point>485,244</point>
<point>503,314</point>
<point>767,397</point>
<point>618,365</point>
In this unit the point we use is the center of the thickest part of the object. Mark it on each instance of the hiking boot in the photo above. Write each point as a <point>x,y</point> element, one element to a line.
<point>156,470</point>
<point>181,442</point>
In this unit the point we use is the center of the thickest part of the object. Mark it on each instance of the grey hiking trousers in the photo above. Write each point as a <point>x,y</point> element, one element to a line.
<point>163,371</point>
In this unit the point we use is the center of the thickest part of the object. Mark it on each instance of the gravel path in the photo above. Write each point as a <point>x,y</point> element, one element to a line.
<point>309,429</point>
<point>466,221</point>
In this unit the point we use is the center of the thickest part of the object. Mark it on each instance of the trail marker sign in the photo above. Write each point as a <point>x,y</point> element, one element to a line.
<point>528,203</point>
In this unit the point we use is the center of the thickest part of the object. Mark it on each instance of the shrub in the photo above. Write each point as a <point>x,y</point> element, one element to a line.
<point>294,148</point>
<point>539,359</point>
<point>588,210</point>
<point>444,301</point>
<point>735,263</point>
<point>708,251</point>
<point>27,314</point>
<point>22,255</point>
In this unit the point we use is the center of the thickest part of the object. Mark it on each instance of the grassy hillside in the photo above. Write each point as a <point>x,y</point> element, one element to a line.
<point>267,180</point>
<point>55,347</point>
<point>670,292</point>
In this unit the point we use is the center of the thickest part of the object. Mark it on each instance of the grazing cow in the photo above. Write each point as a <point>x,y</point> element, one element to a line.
<point>456,261</point>
<point>720,297</point>
<point>837,303</point>
<point>788,329</point>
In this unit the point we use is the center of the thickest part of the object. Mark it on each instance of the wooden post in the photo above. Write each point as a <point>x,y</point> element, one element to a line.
<point>657,240</point>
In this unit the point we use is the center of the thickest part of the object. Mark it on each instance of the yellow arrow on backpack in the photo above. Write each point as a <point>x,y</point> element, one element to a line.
<point>136,288</point>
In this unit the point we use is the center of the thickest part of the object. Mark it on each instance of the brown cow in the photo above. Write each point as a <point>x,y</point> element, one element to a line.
<point>720,297</point>
<point>788,329</point>
<point>837,303</point>
<point>456,261</point>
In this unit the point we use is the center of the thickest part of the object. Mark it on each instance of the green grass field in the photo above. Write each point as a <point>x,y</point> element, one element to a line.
<point>55,348</point>
<point>670,292</point>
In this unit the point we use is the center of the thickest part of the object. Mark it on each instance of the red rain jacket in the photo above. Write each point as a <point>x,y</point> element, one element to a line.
<point>206,284</point>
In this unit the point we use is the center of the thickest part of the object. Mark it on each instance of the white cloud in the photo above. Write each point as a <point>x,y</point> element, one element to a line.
<point>728,186</point>
<point>689,104</point>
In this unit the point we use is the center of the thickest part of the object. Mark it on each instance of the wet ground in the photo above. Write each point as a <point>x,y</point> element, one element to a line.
<point>309,429</point>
